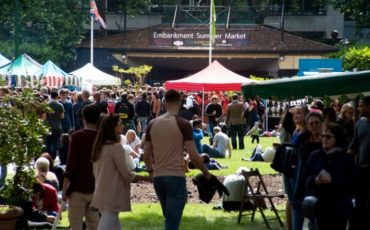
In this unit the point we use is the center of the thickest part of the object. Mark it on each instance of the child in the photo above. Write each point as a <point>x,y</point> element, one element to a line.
<point>63,149</point>
<point>255,133</point>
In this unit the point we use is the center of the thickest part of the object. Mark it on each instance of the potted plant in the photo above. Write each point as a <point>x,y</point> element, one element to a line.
<point>21,141</point>
<point>9,216</point>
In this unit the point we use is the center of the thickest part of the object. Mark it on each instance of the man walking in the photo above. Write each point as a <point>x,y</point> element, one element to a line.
<point>142,111</point>
<point>54,119</point>
<point>165,140</point>
<point>67,122</point>
<point>360,148</point>
<point>79,182</point>
<point>235,121</point>
<point>214,113</point>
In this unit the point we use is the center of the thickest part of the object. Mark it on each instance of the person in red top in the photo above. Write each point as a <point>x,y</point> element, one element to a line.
<point>79,182</point>
<point>224,103</point>
<point>45,198</point>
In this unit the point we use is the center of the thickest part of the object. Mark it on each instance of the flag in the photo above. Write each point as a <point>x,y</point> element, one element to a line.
<point>95,14</point>
<point>213,22</point>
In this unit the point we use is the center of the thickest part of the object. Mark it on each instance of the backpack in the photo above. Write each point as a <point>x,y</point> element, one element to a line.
<point>123,111</point>
<point>285,160</point>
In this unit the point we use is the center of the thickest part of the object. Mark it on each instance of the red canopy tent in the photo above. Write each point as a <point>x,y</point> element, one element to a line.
<point>213,77</point>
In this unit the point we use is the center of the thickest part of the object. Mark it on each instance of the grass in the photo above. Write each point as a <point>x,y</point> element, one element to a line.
<point>196,216</point>
<point>235,161</point>
<point>199,215</point>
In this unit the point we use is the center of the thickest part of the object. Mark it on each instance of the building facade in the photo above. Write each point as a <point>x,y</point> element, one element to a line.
<point>252,36</point>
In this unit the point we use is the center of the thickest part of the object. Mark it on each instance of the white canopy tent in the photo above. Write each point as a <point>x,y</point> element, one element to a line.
<point>93,76</point>
<point>3,60</point>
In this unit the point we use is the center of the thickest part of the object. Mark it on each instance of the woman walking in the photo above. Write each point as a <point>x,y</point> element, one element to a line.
<point>112,177</point>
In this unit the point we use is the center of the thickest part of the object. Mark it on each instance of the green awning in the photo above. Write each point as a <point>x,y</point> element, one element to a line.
<point>320,85</point>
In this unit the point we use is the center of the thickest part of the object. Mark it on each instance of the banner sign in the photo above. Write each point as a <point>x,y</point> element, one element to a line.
<point>197,38</point>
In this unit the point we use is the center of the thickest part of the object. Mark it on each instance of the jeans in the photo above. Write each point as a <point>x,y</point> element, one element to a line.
<point>53,142</point>
<point>210,131</point>
<point>237,130</point>
<point>172,194</point>
<point>212,152</point>
<point>144,123</point>
<point>297,217</point>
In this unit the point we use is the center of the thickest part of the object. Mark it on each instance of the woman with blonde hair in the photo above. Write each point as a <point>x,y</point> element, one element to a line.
<point>133,140</point>
<point>346,119</point>
<point>290,181</point>
<point>112,176</point>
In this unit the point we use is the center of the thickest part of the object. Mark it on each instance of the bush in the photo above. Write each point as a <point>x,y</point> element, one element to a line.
<point>21,141</point>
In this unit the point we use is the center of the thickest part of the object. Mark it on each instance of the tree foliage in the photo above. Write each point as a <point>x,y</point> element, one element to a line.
<point>48,29</point>
<point>358,10</point>
<point>139,72</point>
<point>354,56</point>
<point>21,141</point>
<point>358,58</point>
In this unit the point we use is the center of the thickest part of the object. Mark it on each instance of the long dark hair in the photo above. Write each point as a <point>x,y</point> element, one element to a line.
<point>106,134</point>
<point>340,134</point>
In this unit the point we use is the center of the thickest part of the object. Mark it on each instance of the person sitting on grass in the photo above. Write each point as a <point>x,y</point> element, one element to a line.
<point>198,134</point>
<point>221,143</point>
<point>44,201</point>
<point>43,173</point>
<point>268,155</point>
<point>209,162</point>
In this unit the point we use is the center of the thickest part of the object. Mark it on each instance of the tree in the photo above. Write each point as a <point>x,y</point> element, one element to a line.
<point>139,73</point>
<point>21,141</point>
<point>358,10</point>
<point>354,56</point>
<point>48,29</point>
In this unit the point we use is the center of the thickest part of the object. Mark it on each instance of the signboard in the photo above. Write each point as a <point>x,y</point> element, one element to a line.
<point>197,38</point>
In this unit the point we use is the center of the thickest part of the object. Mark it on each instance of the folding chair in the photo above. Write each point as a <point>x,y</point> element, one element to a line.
<point>256,190</point>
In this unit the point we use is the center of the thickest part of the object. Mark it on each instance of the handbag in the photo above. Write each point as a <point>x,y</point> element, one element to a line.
<point>309,206</point>
<point>285,160</point>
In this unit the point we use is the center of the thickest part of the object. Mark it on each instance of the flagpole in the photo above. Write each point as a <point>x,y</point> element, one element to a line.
<point>92,41</point>
<point>210,33</point>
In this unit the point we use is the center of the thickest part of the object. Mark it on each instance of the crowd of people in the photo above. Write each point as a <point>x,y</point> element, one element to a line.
<point>100,140</point>
<point>332,164</point>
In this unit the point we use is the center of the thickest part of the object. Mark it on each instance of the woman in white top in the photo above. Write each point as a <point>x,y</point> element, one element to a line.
<point>133,140</point>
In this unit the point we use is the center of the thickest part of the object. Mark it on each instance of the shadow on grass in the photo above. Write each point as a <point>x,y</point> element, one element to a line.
<point>149,217</point>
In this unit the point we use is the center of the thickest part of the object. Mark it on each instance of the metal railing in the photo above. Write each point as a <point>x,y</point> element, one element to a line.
<point>185,14</point>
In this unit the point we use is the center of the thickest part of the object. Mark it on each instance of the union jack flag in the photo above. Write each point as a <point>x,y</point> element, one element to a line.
<point>95,14</point>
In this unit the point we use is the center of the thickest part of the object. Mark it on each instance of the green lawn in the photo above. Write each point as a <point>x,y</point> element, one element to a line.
<point>236,158</point>
<point>200,215</point>
<point>196,216</point>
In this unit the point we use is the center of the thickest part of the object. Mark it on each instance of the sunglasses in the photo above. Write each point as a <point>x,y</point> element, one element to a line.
<point>326,136</point>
